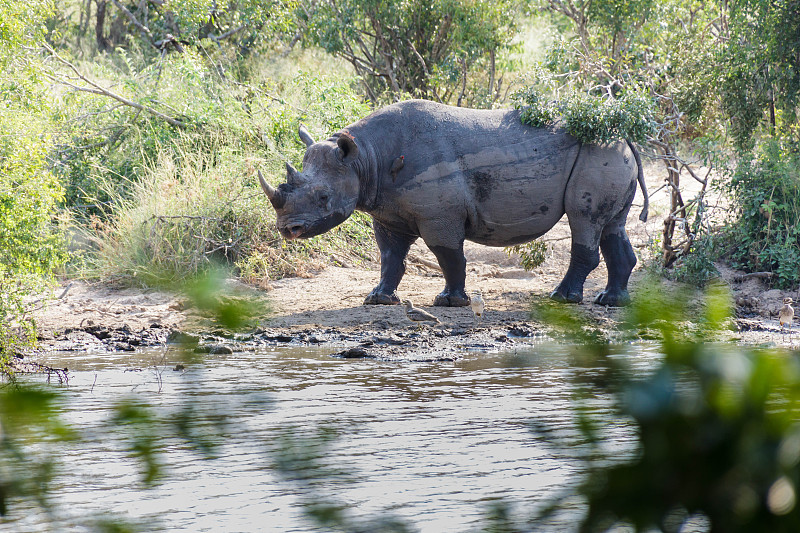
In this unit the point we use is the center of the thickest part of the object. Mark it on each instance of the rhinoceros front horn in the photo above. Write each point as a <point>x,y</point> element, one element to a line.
<point>275,196</point>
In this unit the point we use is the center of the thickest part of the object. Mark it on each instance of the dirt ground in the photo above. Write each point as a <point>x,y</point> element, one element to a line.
<point>327,307</point>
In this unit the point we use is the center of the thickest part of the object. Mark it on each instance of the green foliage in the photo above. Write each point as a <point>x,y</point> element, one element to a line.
<point>30,240</point>
<point>765,189</point>
<point>105,139</point>
<point>164,203</point>
<point>425,49</point>
<point>716,432</point>
<point>715,425</point>
<point>227,28</point>
<point>33,433</point>
<point>27,415</point>
<point>697,267</point>
<point>759,69</point>
<point>28,196</point>
<point>619,16</point>
<point>21,23</point>
<point>591,119</point>
<point>257,20</point>
<point>531,254</point>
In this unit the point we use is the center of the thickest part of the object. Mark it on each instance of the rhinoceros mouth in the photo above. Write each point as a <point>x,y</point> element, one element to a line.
<point>299,230</point>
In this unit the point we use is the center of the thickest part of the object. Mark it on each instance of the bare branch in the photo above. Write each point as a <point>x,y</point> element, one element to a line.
<point>144,29</point>
<point>227,34</point>
<point>95,88</point>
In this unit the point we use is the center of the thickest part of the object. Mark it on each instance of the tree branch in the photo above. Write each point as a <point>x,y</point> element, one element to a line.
<point>99,90</point>
<point>144,29</point>
<point>227,33</point>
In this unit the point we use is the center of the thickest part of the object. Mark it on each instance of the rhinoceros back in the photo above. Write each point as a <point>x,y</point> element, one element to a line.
<point>504,181</point>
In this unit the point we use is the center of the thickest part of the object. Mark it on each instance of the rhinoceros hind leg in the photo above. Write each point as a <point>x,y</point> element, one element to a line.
<point>380,298</point>
<point>394,248</point>
<point>448,298</point>
<point>613,299</point>
<point>583,260</point>
<point>620,259</point>
<point>454,268</point>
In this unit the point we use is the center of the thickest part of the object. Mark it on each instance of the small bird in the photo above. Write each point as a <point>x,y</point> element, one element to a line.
<point>418,315</point>
<point>477,304</point>
<point>786,314</point>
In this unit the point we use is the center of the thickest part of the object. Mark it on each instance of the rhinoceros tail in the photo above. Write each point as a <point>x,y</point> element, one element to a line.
<point>640,179</point>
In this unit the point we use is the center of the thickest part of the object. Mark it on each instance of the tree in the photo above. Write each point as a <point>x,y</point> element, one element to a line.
<point>168,26</point>
<point>663,49</point>
<point>29,247</point>
<point>760,69</point>
<point>726,76</point>
<point>445,50</point>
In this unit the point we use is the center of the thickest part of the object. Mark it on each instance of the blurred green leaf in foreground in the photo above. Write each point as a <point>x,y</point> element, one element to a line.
<point>717,427</point>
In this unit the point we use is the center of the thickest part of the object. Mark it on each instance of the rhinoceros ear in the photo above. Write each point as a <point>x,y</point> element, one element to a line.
<point>306,137</point>
<point>348,150</point>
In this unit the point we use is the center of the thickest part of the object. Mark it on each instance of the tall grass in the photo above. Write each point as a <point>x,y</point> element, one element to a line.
<point>194,209</point>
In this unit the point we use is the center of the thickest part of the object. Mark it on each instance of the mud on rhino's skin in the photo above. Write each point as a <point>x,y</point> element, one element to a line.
<point>447,174</point>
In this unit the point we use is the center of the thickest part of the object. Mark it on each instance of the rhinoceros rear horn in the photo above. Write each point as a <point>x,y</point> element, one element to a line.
<point>348,150</point>
<point>275,196</point>
<point>292,175</point>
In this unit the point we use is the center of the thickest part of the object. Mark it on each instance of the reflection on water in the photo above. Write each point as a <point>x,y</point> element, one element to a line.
<point>434,443</point>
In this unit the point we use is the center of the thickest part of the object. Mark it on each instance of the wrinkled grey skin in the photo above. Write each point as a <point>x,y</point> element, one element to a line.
<point>447,174</point>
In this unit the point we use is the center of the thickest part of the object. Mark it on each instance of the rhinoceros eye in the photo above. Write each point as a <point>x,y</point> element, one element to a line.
<point>324,201</point>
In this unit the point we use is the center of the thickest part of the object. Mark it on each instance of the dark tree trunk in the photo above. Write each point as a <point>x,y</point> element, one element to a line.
<point>102,41</point>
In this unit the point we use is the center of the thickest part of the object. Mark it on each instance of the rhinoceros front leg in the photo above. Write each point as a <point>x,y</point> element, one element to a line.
<point>394,249</point>
<point>454,269</point>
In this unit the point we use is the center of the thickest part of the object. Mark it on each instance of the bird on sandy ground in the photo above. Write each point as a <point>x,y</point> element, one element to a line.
<point>420,316</point>
<point>477,304</point>
<point>786,314</point>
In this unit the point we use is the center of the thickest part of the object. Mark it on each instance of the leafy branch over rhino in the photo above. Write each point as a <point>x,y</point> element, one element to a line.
<point>446,174</point>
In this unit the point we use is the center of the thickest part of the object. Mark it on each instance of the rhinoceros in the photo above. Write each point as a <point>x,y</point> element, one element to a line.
<point>446,174</point>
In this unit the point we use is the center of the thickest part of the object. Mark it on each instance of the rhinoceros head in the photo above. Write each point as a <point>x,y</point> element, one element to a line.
<point>323,195</point>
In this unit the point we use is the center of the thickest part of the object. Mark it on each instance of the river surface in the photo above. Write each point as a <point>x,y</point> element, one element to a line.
<point>433,444</point>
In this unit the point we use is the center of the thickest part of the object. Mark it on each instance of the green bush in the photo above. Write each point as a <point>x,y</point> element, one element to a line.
<point>590,119</point>
<point>450,51</point>
<point>531,254</point>
<point>31,244</point>
<point>714,425</point>
<point>697,267</point>
<point>765,189</point>
<point>103,140</point>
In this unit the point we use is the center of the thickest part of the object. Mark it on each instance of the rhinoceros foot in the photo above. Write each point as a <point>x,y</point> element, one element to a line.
<point>381,298</point>
<point>566,297</point>
<point>451,299</point>
<point>613,299</point>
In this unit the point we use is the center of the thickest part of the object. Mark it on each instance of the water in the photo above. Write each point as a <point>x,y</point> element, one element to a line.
<point>432,443</point>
